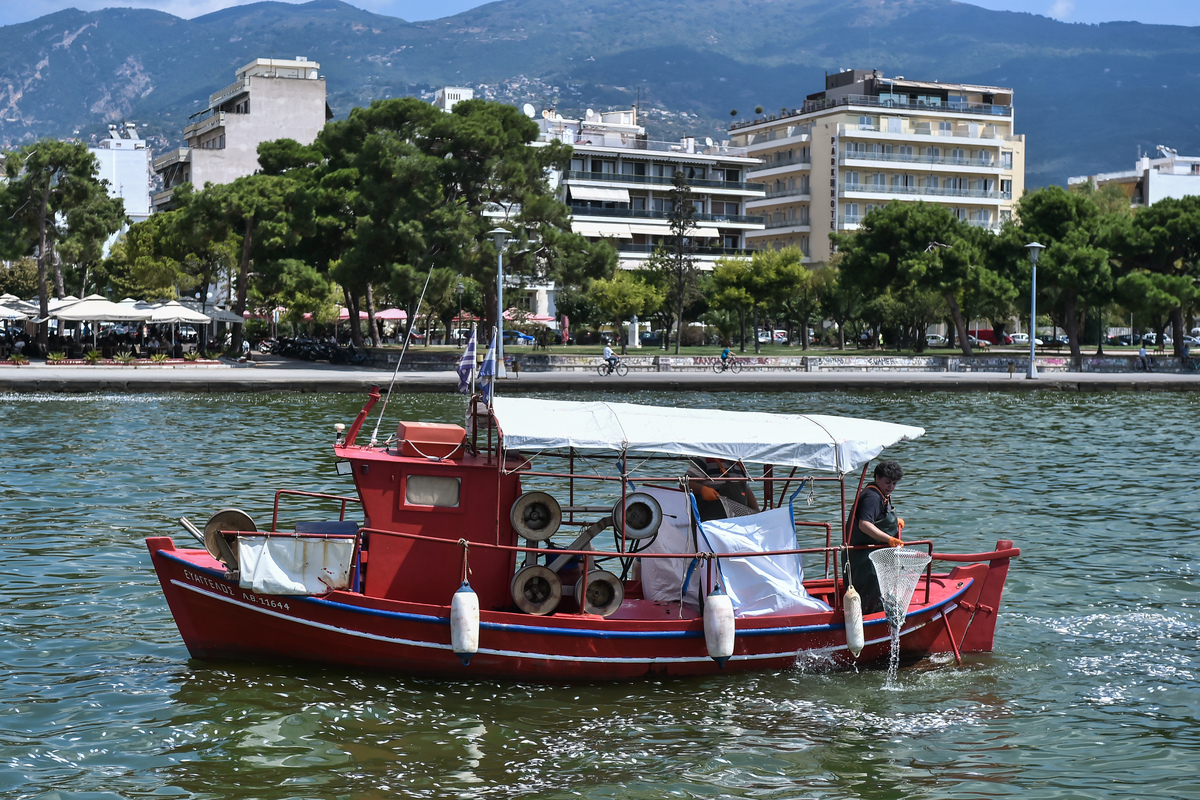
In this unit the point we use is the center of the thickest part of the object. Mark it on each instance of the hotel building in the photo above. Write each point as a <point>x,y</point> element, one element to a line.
<point>271,99</point>
<point>868,140</point>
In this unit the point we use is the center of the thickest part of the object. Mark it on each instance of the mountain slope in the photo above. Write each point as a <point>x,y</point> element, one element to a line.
<point>1086,95</point>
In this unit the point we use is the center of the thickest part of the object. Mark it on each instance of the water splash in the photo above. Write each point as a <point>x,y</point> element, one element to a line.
<point>891,683</point>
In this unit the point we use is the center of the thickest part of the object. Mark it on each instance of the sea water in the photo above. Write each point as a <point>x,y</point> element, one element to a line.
<point>1091,691</point>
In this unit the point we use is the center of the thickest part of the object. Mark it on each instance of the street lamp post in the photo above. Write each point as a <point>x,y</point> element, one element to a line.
<point>1035,250</point>
<point>500,236</point>
<point>458,291</point>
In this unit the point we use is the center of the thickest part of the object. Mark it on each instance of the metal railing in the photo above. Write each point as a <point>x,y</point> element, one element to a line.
<point>206,124</point>
<point>926,191</point>
<point>703,250</point>
<point>796,193</point>
<point>789,223</point>
<point>873,101</point>
<point>781,162</point>
<point>656,180</point>
<point>917,158</point>
<point>637,213</point>
<point>171,157</point>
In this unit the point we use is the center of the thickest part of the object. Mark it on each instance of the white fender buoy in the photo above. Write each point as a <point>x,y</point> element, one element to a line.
<point>603,595</point>
<point>719,626</point>
<point>464,623</point>
<point>852,609</point>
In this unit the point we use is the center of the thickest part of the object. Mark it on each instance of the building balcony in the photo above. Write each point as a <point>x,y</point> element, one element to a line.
<point>577,176</point>
<point>204,125</point>
<point>789,194</point>
<point>915,158</point>
<point>635,213</point>
<point>179,155</point>
<point>591,141</point>
<point>233,89</point>
<point>160,200</point>
<point>700,250</point>
<point>802,225</point>
<point>801,161</point>
<point>917,191</point>
<point>870,101</point>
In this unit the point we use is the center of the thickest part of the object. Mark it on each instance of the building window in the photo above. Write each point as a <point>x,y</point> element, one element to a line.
<point>866,123</point>
<point>851,212</point>
<point>879,180</point>
<point>957,155</point>
<point>1006,189</point>
<point>637,203</point>
<point>1006,159</point>
<point>933,153</point>
<point>945,127</point>
<point>932,181</point>
<point>850,178</point>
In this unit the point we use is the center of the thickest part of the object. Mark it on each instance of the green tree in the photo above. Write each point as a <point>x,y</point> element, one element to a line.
<point>52,196</point>
<point>914,248</point>
<point>623,296</point>
<point>1075,272</point>
<point>1163,240</point>
<point>728,291</point>
<point>19,277</point>
<point>266,213</point>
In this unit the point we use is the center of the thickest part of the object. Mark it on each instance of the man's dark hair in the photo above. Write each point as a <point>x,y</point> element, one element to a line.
<point>890,470</point>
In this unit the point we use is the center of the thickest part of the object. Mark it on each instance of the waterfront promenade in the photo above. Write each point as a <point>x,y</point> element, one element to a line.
<point>275,374</point>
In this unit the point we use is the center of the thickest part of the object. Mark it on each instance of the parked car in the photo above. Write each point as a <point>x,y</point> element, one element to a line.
<point>516,337</point>
<point>935,340</point>
<point>1055,341</point>
<point>772,337</point>
<point>977,342</point>
<point>1191,341</point>
<point>1152,339</point>
<point>1023,339</point>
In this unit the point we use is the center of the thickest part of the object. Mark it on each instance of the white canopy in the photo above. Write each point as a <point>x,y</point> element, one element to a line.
<point>174,311</point>
<point>806,441</point>
<point>10,313</point>
<point>95,308</point>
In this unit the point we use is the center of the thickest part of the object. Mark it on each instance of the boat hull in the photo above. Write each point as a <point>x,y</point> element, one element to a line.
<point>219,620</point>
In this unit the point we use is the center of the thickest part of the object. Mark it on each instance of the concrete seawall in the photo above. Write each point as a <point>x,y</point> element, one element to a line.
<point>805,374</point>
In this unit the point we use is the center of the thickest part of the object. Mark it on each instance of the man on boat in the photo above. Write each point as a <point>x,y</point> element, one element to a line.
<point>873,521</point>
<point>718,497</point>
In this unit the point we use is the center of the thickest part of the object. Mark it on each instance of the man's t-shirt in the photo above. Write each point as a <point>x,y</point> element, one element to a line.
<point>871,507</point>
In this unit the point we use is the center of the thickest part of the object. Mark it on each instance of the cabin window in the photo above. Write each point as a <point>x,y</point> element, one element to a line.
<point>432,490</point>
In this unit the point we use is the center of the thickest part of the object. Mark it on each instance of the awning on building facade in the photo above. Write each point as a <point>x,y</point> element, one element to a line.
<point>599,193</point>
<point>612,230</point>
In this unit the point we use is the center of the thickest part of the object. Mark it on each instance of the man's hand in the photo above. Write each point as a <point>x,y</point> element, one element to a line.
<point>894,542</point>
<point>708,493</point>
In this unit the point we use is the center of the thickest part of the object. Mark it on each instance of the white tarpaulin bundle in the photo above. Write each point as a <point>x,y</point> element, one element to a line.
<point>294,565</point>
<point>806,441</point>
<point>761,584</point>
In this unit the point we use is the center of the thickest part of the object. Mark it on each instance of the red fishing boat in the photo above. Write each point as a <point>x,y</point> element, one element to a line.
<point>553,540</point>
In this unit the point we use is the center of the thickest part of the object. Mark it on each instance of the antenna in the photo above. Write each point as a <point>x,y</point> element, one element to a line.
<point>529,110</point>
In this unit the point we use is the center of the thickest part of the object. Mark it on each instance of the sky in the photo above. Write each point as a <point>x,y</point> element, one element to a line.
<point>1161,12</point>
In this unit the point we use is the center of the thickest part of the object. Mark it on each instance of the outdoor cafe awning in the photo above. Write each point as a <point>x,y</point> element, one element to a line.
<point>95,308</point>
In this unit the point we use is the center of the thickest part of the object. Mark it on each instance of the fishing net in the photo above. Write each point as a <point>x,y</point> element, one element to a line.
<point>898,569</point>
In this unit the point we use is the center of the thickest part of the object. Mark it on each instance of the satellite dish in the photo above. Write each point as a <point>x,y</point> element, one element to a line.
<point>529,110</point>
<point>589,114</point>
<point>545,113</point>
<point>708,141</point>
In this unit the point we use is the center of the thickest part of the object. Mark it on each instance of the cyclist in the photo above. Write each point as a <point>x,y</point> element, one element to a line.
<point>725,358</point>
<point>610,358</point>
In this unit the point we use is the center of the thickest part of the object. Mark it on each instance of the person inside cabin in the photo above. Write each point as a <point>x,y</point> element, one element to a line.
<point>718,491</point>
<point>610,357</point>
<point>872,521</point>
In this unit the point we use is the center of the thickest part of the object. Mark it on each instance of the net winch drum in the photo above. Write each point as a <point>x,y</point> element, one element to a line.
<point>603,594</point>
<point>536,589</point>
<point>227,519</point>
<point>641,515</point>
<point>535,516</point>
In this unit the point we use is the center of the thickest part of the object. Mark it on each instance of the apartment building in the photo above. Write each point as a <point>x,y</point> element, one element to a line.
<point>868,140</point>
<point>619,182</point>
<point>1152,179</point>
<point>123,160</point>
<point>272,98</point>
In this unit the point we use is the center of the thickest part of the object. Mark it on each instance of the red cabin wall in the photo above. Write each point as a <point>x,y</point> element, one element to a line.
<point>420,571</point>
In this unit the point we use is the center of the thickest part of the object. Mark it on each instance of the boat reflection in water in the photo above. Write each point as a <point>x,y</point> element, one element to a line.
<point>454,569</point>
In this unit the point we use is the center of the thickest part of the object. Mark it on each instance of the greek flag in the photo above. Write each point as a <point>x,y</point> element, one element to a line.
<point>466,365</point>
<point>487,373</point>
